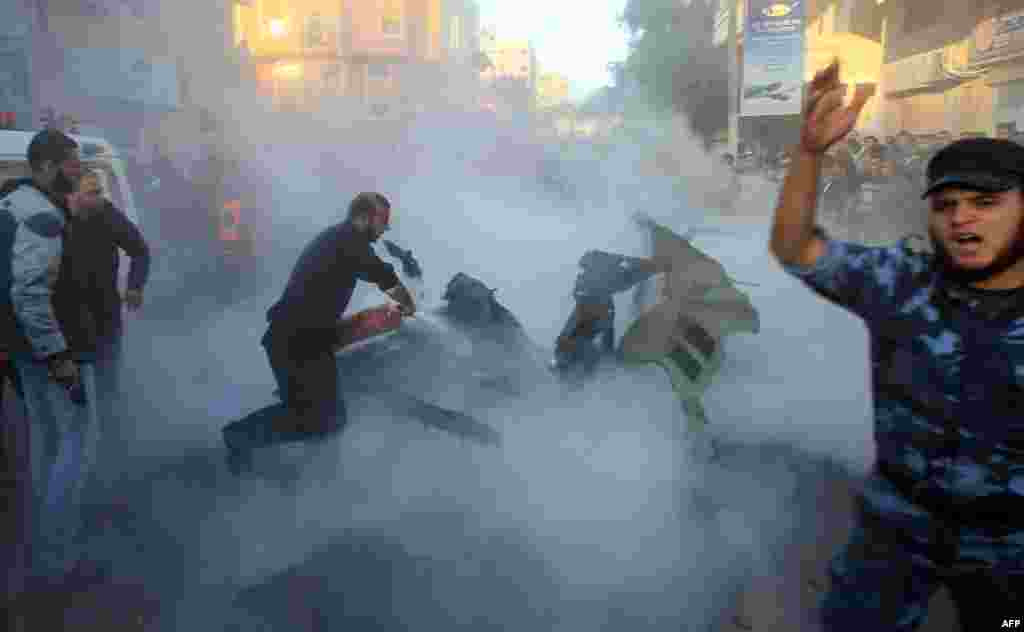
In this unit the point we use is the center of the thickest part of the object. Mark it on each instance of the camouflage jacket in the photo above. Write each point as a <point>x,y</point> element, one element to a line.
<point>948,385</point>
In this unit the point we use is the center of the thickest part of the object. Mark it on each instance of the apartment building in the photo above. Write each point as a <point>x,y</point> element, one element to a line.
<point>384,54</point>
<point>510,75</point>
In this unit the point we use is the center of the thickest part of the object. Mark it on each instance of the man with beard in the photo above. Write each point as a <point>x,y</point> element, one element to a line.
<point>944,503</point>
<point>303,332</point>
<point>44,320</point>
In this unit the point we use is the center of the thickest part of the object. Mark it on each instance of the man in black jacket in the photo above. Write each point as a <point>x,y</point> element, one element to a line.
<point>303,332</point>
<point>99,232</point>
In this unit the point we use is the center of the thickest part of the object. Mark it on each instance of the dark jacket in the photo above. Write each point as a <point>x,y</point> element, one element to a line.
<point>321,286</point>
<point>95,241</point>
<point>43,306</point>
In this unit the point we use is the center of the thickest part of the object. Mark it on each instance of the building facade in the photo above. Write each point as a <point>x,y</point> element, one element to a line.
<point>852,30</point>
<point>388,54</point>
<point>950,65</point>
<point>552,90</point>
<point>959,70</point>
<point>510,74</point>
<point>129,70</point>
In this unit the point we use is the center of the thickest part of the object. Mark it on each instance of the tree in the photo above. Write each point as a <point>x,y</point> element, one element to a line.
<point>674,60</point>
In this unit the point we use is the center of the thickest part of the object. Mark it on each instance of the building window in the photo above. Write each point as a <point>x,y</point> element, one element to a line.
<point>391,26</point>
<point>391,21</point>
<point>455,33</point>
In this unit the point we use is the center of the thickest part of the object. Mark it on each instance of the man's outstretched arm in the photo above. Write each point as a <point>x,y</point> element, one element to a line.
<point>793,240</point>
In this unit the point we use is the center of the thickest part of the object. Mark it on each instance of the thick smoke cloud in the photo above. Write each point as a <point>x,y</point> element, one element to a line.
<point>595,513</point>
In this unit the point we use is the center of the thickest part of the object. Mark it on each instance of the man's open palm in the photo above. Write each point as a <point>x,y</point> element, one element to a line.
<point>826,121</point>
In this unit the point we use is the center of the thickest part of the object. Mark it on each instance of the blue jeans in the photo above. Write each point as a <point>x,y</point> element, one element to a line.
<point>63,445</point>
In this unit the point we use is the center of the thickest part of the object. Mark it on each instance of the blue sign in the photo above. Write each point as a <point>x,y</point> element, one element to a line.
<point>773,58</point>
<point>122,74</point>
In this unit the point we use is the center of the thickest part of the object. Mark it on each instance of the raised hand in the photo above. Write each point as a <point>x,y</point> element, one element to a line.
<point>826,121</point>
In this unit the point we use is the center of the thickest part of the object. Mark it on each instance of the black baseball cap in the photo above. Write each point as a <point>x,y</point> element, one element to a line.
<point>991,165</point>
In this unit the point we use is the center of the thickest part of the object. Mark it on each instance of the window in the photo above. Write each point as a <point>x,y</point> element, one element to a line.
<point>391,20</point>
<point>391,25</point>
<point>378,71</point>
<point>455,33</point>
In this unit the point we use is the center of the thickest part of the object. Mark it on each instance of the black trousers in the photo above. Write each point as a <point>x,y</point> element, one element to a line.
<point>311,407</point>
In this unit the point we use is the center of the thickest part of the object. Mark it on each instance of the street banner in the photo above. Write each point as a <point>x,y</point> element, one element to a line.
<point>773,58</point>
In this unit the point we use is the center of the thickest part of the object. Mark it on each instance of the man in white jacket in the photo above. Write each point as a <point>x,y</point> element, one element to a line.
<point>44,322</point>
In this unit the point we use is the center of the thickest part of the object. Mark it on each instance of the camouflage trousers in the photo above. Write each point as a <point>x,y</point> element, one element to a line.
<point>884,578</point>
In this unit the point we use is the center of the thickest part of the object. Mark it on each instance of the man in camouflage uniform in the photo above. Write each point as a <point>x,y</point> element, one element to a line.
<point>944,502</point>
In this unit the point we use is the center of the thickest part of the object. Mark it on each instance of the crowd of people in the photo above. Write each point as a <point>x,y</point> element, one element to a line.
<point>870,183</point>
<point>60,332</point>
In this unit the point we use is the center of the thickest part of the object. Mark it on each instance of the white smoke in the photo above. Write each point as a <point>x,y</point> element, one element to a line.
<point>594,503</point>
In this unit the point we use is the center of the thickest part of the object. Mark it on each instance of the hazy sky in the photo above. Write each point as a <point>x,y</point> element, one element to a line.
<point>574,37</point>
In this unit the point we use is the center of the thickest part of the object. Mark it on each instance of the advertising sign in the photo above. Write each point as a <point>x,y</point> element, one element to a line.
<point>123,74</point>
<point>997,37</point>
<point>773,58</point>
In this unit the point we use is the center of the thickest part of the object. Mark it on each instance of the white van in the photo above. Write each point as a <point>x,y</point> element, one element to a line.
<point>97,154</point>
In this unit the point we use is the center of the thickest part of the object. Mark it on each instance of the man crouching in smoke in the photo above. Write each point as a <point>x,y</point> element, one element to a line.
<point>303,332</point>
<point>945,501</point>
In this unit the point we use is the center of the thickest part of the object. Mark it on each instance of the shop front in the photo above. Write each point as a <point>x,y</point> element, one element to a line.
<point>997,49</point>
<point>925,94</point>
